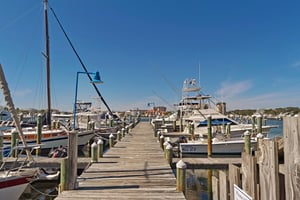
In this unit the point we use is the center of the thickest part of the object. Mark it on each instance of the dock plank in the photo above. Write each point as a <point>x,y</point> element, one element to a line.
<point>135,168</point>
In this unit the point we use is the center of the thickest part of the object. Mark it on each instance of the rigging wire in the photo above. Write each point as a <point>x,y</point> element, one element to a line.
<point>81,62</point>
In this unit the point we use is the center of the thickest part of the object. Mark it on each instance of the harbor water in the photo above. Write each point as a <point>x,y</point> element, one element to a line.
<point>196,179</point>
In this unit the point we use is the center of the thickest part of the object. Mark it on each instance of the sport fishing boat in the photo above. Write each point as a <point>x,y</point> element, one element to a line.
<point>194,110</point>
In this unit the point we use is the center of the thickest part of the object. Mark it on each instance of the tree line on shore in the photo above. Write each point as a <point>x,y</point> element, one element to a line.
<point>272,111</point>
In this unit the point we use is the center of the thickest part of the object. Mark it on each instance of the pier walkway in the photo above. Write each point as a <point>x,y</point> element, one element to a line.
<point>135,168</point>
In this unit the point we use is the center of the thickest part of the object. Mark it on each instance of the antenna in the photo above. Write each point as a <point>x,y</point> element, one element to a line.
<point>199,73</point>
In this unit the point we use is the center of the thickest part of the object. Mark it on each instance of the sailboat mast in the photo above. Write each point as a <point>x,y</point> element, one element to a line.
<point>47,63</point>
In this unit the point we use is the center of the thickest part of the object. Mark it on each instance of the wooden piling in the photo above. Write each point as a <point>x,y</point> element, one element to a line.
<point>119,135</point>
<point>72,160</point>
<point>291,131</point>
<point>169,153</point>
<point>13,143</point>
<point>181,176</point>
<point>1,147</point>
<point>165,145</point>
<point>39,133</point>
<point>259,124</point>
<point>94,152</point>
<point>253,124</point>
<point>209,184</point>
<point>100,148</point>
<point>247,139</point>
<point>111,140</point>
<point>209,137</point>
<point>161,141</point>
<point>63,175</point>
<point>174,125</point>
<point>228,130</point>
<point>123,132</point>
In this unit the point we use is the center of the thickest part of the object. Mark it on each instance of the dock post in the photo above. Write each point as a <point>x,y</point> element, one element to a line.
<point>165,145</point>
<point>119,135</point>
<point>126,130</point>
<point>156,133</point>
<point>88,124</point>
<point>209,146</point>
<point>247,142</point>
<point>100,148</point>
<point>63,175</point>
<point>259,124</point>
<point>228,130</point>
<point>72,160</point>
<point>13,143</point>
<point>123,132</point>
<point>209,184</point>
<point>111,140</point>
<point>260,138</point>
<point>111,122</point>
<point>193,130</point>
<point>253,123</point>
<point>1,146</point>
<point>39,133</point>
<point>180,176</point>
<point>161,141</point>
<point>174,125</point>
<point>94,152</point>
<point>169,153</point>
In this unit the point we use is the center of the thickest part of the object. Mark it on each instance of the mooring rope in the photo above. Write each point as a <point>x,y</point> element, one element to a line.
<point>42,193</point>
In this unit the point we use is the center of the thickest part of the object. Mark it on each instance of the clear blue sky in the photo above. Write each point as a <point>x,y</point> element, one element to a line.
<point>249,51</point>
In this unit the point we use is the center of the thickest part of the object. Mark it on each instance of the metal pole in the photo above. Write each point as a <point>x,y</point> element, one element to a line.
<point>75,102</point>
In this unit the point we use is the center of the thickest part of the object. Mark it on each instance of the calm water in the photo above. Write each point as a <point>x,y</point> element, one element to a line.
<point>196,178</point>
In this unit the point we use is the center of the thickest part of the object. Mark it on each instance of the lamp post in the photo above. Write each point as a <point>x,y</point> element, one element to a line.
<point>96,80</point>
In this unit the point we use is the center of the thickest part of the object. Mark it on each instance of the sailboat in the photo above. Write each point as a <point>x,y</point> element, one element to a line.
<point>12,185</point>
<point>51,137</point>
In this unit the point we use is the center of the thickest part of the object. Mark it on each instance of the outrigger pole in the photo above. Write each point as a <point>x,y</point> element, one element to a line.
<point>11,109</point>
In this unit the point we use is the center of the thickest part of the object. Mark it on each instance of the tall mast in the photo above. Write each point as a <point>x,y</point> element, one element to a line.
<point>48,117</point>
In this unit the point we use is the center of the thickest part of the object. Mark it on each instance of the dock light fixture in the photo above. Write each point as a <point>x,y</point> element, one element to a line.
<point>96,80</point>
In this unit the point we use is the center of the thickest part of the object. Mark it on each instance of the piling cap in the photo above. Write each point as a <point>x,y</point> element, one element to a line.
<point>260,135</point>
<point>246,133</point>
<point>161,136</point>
<point>13,130</point>
<point>123,129</point>
<point>166,143</point>
<point>94,144</point>
<point>119,132</point>
<point>181,165</point>
<point>111,136</point>
<point>100,141</point>
<point>169,146</point>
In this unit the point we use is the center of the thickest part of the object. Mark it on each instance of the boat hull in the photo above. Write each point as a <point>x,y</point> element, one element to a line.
<point>227,147</point>
<point>54,142</point>
<point>12,188</point>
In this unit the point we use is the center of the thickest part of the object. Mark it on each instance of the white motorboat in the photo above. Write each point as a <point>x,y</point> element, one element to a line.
<point>218,147</point>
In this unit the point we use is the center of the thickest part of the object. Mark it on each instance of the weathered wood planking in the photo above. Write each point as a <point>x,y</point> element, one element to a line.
<point>44,162</point>
<point>268,170</point>
<point>135,168</point>
<point>249,180</point>
<point>223,185</point>
<point>291,132</point>
<point>234,175</point>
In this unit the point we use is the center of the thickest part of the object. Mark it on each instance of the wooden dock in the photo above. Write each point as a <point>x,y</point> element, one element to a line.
<point>135,168</point>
